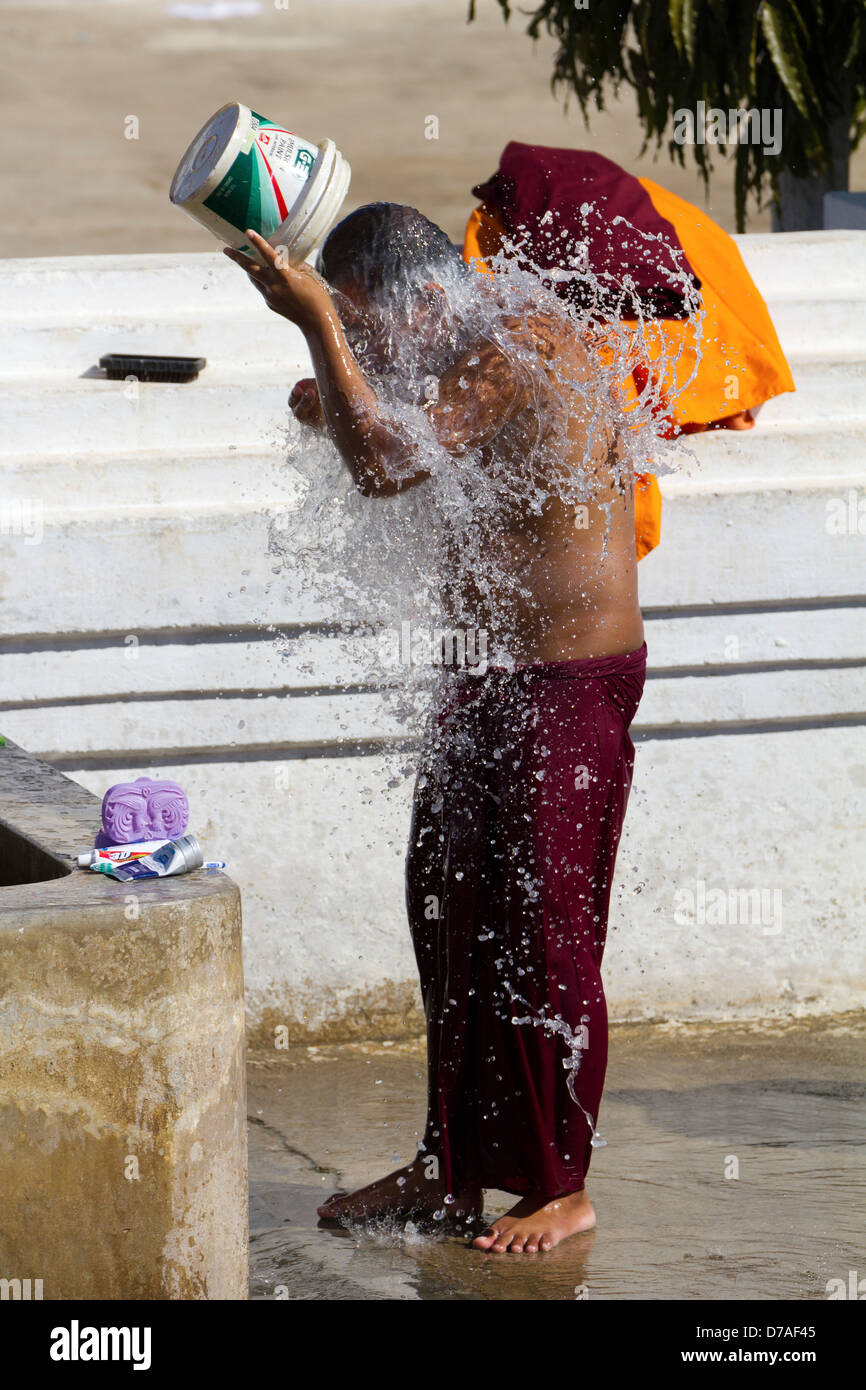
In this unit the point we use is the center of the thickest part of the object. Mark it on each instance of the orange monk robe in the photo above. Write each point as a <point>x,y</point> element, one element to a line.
<point>741,362</point>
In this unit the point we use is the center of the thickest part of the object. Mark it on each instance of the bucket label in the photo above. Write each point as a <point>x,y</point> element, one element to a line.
<point>263,185</point>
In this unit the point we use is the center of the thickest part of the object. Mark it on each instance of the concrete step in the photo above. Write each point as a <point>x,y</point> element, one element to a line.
<point>786,266</point>
<point>130,667</point>
<point>773,454</point>
<point>77,288</point>
<point>61,314</point>
<point>817,266</point>
<point>92,414</point>
<point>814,331</point>
<point>248,337</point>
<point>212,567</point>
<point>170,480</point>
<point>729,547</point>
<point>252,338</point>
<point>205,566</point>
<point>248,411</point>
<point>253,341</point>
<point>826,391</point>
<point>227,474</point>
<point>309,721</point>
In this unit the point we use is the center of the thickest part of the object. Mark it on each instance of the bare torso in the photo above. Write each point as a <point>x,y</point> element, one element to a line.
<point>566,583</point>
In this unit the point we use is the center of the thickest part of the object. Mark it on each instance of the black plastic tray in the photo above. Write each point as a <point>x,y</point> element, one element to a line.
<point>120,365</point>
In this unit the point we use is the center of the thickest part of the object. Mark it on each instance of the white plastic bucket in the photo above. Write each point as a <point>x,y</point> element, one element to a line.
<point>243,170</point>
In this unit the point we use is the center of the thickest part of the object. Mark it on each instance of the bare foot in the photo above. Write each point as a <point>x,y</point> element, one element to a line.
<point>405,1193</point>
<point>530,1226</point>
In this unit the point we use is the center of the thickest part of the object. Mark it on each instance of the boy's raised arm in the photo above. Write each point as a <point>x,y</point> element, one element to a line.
<point>373,448</point>
<point>475,397</point>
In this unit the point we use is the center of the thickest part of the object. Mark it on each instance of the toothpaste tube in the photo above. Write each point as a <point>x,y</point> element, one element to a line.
<point>172,857</point>
<point>118,854</point>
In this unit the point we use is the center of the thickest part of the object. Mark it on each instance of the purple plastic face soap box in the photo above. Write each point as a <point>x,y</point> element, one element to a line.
<point>142,810</point>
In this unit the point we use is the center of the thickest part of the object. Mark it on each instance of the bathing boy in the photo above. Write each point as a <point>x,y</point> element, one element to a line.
<point>513,841</point>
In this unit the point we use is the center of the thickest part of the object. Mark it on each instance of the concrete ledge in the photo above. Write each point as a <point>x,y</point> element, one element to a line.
<point>123,1104</point>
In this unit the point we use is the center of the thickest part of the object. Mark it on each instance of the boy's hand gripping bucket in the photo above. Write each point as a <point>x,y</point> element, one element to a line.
<point>242,171</point>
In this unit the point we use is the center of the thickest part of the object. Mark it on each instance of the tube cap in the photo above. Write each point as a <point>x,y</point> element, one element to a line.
<point>191,850</point>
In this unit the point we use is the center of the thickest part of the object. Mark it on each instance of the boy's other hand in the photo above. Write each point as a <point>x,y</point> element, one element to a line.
<point>304,403</point>
<point>295,291</point>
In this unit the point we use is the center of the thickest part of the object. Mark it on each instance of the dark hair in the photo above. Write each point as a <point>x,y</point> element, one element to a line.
<point>386,247</point>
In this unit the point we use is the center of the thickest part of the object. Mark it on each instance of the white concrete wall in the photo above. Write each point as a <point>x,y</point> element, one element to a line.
<point>136,589</point>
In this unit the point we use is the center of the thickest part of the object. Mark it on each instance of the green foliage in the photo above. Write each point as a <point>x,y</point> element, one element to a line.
<point>806,58</point>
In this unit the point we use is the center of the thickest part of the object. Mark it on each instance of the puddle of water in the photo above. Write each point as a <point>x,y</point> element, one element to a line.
<point>674,1222</point>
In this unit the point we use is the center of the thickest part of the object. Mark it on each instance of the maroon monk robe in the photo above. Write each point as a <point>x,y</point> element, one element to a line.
<point>555,202</point>
<point>518,809</point>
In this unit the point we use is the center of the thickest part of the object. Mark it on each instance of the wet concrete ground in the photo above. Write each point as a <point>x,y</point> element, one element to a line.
<point>683,1107</point>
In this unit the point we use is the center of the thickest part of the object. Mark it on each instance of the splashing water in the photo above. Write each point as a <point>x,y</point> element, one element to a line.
<point>434,555</point>
<point>575,1043</point>
<point>392,1232</point>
